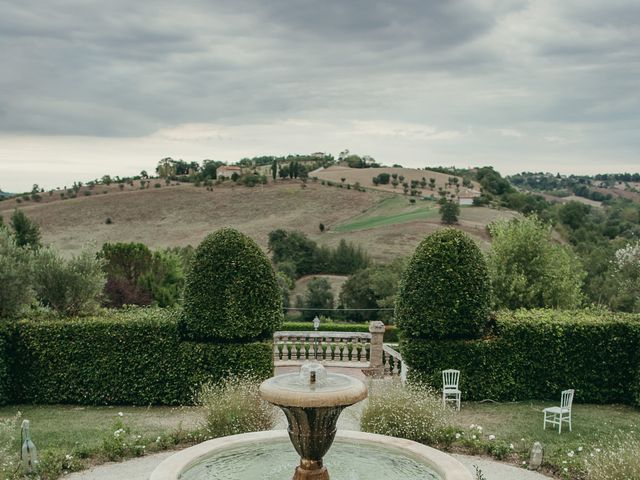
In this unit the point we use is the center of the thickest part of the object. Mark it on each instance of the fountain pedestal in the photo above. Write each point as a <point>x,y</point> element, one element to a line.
<point>312,402</point>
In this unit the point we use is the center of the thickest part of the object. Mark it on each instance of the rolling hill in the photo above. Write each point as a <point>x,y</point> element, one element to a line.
<point>384,223</point>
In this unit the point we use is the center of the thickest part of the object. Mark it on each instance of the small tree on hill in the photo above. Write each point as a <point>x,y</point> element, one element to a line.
<point>25,231</point>
<point>449,211</point>
<point>318,296</point>
<point>444,291</point>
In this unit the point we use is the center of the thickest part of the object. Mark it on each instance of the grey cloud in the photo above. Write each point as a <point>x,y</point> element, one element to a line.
<point>130,68</point>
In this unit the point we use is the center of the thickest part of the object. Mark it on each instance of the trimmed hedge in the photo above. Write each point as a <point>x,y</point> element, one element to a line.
<point>444,291</point>
<point>4,365</point>
<point>390,332</point>
<point>135,357</point>
<point>231,292</point>
<point>535,354</point>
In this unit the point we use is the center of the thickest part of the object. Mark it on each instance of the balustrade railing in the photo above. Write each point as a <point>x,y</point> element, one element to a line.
<point>348,349</point>
<point>345,347</point>
<point>392,362</point>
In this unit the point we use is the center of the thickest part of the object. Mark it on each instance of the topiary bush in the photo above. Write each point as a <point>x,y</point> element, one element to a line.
<point>444,291</point>
<point>231,291</point>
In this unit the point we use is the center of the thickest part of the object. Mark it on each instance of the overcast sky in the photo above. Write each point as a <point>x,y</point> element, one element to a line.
<point>88,88</point>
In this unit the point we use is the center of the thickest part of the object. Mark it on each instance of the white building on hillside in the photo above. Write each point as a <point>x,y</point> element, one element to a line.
<point>466,198</point>
<point>227,171</point>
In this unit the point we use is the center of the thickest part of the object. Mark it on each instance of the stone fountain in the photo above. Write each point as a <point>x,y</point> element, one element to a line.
<point>312,402</point>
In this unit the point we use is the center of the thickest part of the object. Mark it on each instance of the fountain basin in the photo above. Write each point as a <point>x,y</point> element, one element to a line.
<point>222,458</point>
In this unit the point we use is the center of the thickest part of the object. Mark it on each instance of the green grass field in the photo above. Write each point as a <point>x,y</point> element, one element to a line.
<point>390,211</point>
<point>63,427</point>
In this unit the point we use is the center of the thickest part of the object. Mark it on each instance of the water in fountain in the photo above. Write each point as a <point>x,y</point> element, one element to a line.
<point>275,460</point>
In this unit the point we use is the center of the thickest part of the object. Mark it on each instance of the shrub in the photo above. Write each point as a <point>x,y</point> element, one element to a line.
<point>234,406</point>
<point>318,296</point>
<point>9,457</point>
<point>529,270</point>
<point>16,266</point>
<point>449,211</point>
<point>413,412</point>
<point>132,356</point>
<point>25,231</point>
<point>164,279</point>
<point>537,354</point>
<point>444,292</point>
<point>108,221</point>
<point>231,291</point>
<point>124,264</point>
<point>70,287</point>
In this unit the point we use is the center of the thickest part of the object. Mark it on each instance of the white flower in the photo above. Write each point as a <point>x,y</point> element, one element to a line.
<point>458,435</point>
<point>479,428</point>
<point>68,457</point>
<point>120,414</point>
<point>492,437</point>
<point>158,439</point>
<point>511,446</point>
<point>598,450</point>
<point>571,453</point>
<point>473,425</point>
<point>579,449</point>
<point>474,437</point>
<point>565,469</point>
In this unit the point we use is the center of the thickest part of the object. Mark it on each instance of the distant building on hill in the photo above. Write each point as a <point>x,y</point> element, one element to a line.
<point>466,198</point>
<point>227,171</point>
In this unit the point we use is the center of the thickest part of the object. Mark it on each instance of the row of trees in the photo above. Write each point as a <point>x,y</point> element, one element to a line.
<point>33,275</point>
<point>527,268</point>
<point>296,255</point>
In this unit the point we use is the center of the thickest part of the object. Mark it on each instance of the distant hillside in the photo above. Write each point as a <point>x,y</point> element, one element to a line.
<point>364,176</point>
<point>387,225</point>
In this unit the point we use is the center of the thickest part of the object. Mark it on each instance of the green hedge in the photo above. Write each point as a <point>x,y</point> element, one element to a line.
<point>134,357</point>
<point>390,332</point>
<point>4,364</point>
<point>537,354</point>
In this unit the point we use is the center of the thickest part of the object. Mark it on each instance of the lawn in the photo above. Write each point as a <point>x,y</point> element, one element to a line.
<point>595,427</point>
<point>63,427</point>
<point>390,211</point>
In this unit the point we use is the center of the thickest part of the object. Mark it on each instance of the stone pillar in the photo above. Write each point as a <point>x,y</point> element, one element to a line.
<point>376,367</point>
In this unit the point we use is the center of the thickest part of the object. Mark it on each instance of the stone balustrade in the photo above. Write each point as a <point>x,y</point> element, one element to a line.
<point>291,348</point>
<point>393,364</point>
<point>343,349</point>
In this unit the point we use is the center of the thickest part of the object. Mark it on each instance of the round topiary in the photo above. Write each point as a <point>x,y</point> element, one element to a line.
<point>444,292</point>
<point>231,292</point>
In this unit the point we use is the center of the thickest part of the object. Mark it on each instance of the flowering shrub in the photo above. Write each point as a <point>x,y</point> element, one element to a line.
<point>9,428</point>
<point>122,443</point>
<point>616,462</point>
<point>413,412</point>
<point>476,441</point>
<point>234,406</point>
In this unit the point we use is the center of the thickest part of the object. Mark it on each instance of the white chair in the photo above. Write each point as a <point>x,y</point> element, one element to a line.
<point>450,391</point>
<point>557,415</point>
